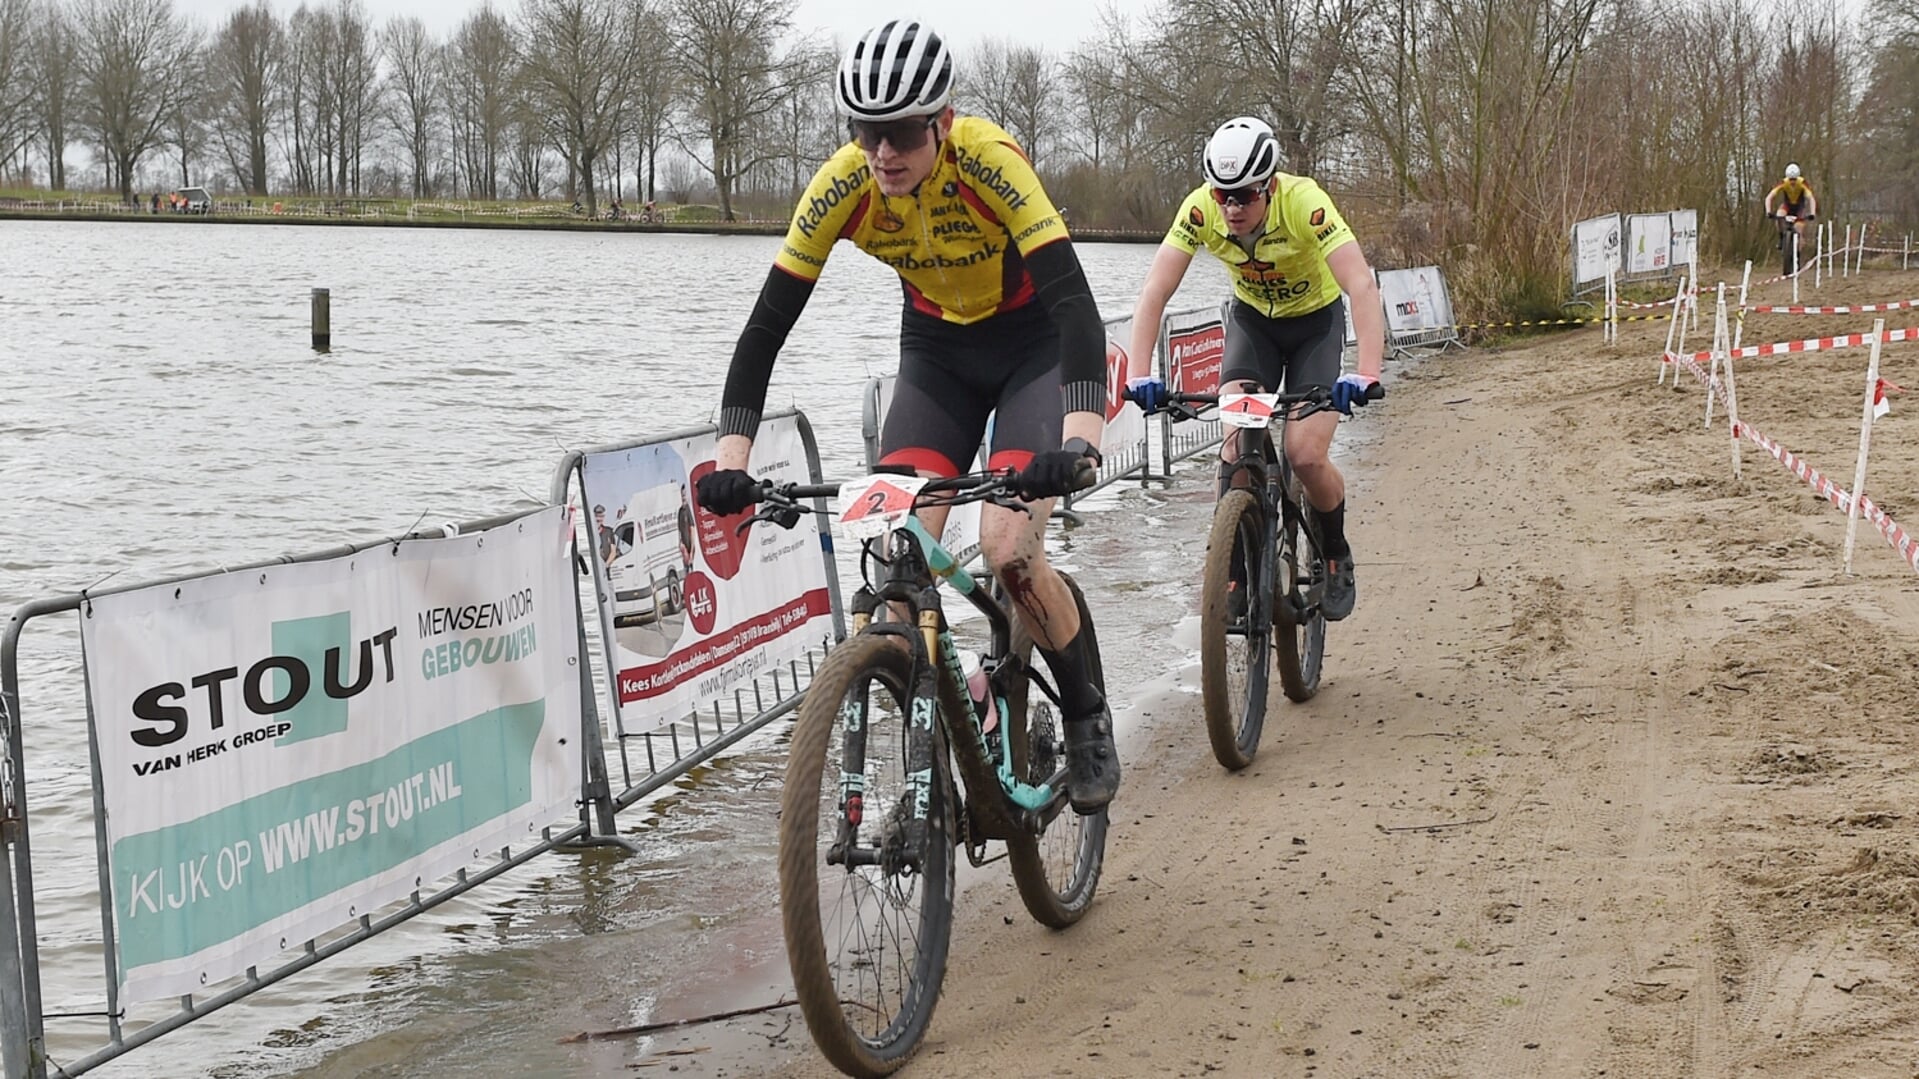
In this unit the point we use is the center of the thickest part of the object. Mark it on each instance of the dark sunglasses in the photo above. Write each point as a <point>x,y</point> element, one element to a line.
<point>905,136</point>
<point>1239,196</point>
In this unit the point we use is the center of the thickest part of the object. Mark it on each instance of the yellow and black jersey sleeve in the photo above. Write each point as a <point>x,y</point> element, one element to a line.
<point>1197,217</point>
<point>838,190</point>
<point>996,172</point>
<point>1310,213</point>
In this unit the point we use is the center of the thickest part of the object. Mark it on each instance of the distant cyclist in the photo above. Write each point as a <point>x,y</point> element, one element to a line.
<point>1290,254</point>
<point>1797,203</point>
<point>998,317</point>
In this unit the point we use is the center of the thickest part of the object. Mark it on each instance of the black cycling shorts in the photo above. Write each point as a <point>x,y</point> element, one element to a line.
<point>952,377</point>
<point>1290,354</point>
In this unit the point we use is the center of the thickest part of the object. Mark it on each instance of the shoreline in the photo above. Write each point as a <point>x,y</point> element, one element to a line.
<point>561,224</point>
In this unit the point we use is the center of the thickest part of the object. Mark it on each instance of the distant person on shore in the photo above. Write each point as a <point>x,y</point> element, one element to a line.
<point>998,318</point>
<point>1290,254</point>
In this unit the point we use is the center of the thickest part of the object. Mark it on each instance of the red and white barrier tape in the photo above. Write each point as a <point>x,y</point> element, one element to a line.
<point>1851,340</point>
<point>1892,531</point>
<point>1855,309</point>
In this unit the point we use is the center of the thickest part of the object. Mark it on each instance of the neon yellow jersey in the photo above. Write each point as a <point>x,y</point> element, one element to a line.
<point>1793,192</point>
<point>958,242</point>
<point>1286,273</point>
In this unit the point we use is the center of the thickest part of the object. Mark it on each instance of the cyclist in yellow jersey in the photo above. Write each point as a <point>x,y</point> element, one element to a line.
<point>998,320</point>
<point>1290,255</point>
<point>1797,203</point>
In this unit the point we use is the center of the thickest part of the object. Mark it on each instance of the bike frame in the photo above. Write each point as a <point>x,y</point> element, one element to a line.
<point>916,562</point>
<point>1272,480</point>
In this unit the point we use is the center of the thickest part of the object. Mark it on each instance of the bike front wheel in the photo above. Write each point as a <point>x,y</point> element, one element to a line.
<point>1058,870</point>
<point>1299,643</point>
<point>1235,629</point>
<point>866,899</point>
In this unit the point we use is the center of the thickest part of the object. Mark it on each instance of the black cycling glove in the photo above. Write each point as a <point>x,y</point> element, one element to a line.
<point>1070,468</point>
<point>727,491</point>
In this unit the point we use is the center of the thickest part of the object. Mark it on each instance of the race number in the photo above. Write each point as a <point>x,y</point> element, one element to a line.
<point>872,506</point>
<point>1247,409</point>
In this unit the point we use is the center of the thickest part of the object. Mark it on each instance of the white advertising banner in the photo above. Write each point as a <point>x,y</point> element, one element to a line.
<point>1416,301</point>
<point>1195,351</point>
<point>283,750</point>
<point>1685,236</point>
<point>1596,246</point>
<point>697,607</point>
<point>1649,243</point>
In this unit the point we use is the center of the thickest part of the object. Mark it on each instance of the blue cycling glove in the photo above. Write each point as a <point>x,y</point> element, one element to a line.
<point>1351,390</point>
<point>1148,392</point>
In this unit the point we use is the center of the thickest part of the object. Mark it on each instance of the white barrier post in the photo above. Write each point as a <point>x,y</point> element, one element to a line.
<point>1745,284</point>
<point>1611,334</point>
<point>1719,342</point>
<point>1732,414</point>
<point>1798,269</point>
<point>1905,261</point>
<point>1859,264</point>
<point>1672,328</point>
<point>1818,253</point>
<point>1865,441</point>
<point>1845,254</point>
<point>1692,301</point>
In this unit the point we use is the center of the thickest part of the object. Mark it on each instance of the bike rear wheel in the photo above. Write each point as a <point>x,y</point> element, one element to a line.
<point>1299,643</point>
<point>1234,636</point>
<point>1058,870</point>
<point>867,943</point>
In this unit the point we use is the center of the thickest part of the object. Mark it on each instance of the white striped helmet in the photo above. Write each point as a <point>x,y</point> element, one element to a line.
<point>896,70</point>
<point>1243,152</point>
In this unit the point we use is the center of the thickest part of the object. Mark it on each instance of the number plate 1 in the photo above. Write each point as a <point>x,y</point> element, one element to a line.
<point>1247,409</point>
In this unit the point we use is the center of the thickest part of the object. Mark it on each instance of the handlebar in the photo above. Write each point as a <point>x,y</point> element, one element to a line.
<point>1295,406</point>
<point>783,503</point>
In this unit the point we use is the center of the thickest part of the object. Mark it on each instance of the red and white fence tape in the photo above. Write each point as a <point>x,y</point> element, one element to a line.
<point>1851,340</point>
<point>1854,309</point>
<point>1892,531</point>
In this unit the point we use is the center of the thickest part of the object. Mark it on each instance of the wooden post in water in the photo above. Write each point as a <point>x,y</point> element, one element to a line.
<point>322,321</point>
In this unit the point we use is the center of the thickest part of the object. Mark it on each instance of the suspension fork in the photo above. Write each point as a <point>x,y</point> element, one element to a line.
<point>855,713</point>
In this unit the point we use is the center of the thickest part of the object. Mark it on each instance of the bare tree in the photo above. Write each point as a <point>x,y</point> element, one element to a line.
<point>186,128</point>
<point>655,87</point>
<point>482,61</point>
<point>134,55</point>
<point>1096,115</point>
<point>16,77</point>
<point>580,69</point>
<point>734,78</point>
<point>414,93</point>
<point>244,68</point>
<point>349,75</point>
<point>1017,87</point>
<point>526,144</point>
<point>56,73</point>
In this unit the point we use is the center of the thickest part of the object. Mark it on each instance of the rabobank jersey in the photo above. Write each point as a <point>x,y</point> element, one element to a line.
<point>958,242</point>
<point>1285,274</point>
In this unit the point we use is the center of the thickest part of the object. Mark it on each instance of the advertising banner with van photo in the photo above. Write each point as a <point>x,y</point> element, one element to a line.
<point>695,607</point>
<point>284,750</point>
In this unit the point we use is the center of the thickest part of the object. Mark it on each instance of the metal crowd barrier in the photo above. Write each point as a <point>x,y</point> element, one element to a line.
<point>23,1011</point>
<point>651,759</point>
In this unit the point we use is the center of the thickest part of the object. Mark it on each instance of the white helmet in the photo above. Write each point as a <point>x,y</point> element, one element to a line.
<point>899,69</point>
<point>1792,172</point>
<point>1241,153</point>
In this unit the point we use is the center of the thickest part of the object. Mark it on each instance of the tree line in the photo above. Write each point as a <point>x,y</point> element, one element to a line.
<point>1471,132</point>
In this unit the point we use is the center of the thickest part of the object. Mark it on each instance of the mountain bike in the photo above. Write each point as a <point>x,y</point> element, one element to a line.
<point>1264,573</point>
<point>895,765</point>
<point>1791,235</point>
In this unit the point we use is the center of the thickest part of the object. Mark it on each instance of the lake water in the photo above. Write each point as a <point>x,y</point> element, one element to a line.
<point>161,412</point>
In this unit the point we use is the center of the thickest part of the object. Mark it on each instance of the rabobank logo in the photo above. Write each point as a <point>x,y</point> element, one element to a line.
<point>300,690</point>
<point>993,180</point>
<point>815,209</point>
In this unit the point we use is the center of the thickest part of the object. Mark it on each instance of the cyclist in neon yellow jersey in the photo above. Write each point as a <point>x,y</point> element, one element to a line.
<point>1290,254</point>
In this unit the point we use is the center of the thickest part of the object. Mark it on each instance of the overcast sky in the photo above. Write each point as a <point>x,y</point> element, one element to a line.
<point>1059,25</point>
